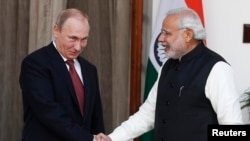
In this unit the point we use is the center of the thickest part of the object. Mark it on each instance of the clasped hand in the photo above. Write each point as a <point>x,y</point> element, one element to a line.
<point>101,137</point>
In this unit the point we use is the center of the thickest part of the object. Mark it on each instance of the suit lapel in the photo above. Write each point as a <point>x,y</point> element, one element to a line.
<point>86,80</point>
<point>61,69</point>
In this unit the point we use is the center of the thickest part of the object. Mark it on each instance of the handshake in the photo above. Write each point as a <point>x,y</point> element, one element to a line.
<point>101,137</point>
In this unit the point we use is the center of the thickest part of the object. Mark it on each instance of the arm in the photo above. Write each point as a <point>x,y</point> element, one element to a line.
<point>221,90</point>
<point>140,122</point>
<point>97,123</point>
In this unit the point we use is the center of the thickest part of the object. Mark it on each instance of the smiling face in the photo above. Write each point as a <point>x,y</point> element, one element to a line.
<point>173,38</point>
<point>72,37</point>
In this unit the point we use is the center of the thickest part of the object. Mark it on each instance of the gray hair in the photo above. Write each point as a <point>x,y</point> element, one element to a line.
<point>188,18</point>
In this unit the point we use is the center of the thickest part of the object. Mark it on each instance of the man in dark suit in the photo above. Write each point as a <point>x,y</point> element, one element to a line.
<point>50,102</point>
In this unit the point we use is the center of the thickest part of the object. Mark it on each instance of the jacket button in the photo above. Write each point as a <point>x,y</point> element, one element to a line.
<point>163,121</point>
<point>167,102</point>
<point>163,139</point>
<point>172,84</point>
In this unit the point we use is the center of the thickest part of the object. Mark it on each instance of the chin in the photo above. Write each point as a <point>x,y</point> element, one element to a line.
<point>172,56</point>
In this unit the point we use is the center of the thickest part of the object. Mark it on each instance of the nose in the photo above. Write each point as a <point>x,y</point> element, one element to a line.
<point>161,37</point>
<point>78,46</point>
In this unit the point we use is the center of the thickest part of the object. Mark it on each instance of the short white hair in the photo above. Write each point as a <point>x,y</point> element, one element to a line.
<point>189,19</point>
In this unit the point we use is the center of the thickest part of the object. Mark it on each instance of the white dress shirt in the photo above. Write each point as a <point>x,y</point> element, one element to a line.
<point>76,64</point>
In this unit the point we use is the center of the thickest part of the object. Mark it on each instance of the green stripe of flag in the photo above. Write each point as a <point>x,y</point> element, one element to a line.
<point>153,64</point>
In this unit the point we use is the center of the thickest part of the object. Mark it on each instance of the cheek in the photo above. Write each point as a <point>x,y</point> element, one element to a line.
<point>67,43</point>
<point>176,40</point>
<point>170,40</point>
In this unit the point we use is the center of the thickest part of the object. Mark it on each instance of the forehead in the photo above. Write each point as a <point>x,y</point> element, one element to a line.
<point>170,21</point>
<point>75,28</point>
<point>76,20</point>
<point>76,24</point>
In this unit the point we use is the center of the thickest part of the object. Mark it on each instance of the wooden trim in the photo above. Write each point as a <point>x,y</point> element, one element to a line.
<point>136,55</point>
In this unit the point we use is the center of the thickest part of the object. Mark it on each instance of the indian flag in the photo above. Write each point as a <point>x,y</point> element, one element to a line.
<point>156,52</point>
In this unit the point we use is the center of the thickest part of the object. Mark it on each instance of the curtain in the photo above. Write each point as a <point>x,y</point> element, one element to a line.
<point>26,25</point>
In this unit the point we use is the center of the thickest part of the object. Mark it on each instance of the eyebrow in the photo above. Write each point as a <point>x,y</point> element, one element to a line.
<point>164,31</point>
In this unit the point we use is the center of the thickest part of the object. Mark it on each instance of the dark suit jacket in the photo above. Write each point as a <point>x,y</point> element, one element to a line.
<point>50,105</point>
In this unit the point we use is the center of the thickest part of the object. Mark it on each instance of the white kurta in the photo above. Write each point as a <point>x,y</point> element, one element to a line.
<point>220,89</point>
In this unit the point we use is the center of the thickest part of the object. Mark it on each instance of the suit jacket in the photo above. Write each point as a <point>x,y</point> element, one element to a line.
<point>50,105</point>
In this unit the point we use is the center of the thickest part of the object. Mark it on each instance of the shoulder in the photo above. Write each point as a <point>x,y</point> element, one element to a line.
<point>214,55</point>
<point>42,55</point>
<point>40,51</point>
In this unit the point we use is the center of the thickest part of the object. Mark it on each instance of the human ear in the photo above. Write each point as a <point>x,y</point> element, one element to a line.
<point>188,35</point>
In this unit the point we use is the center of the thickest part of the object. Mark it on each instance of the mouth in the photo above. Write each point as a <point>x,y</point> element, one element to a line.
<point>167,48</point>
<point>73,54</point>
<point>162,44</point>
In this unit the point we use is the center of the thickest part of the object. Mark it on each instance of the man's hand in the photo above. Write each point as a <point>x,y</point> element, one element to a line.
<point>102,137</point>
